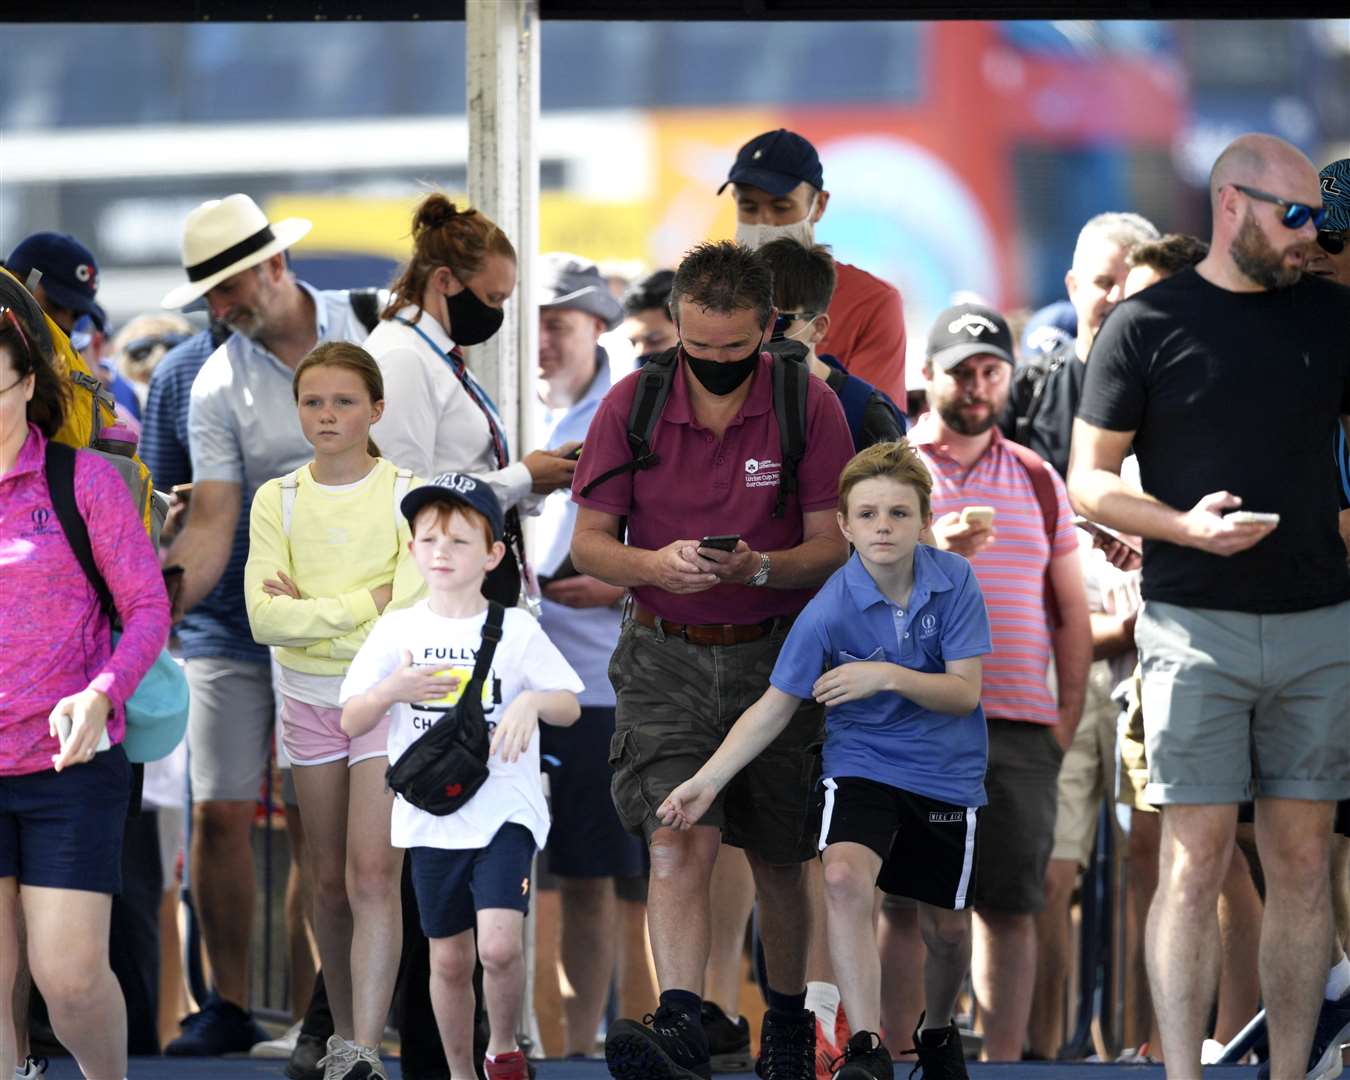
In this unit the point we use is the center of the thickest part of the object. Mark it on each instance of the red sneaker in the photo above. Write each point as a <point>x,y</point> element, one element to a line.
<point>842,1032</point>
<point>510,1066</point>
<point>826,1053</point>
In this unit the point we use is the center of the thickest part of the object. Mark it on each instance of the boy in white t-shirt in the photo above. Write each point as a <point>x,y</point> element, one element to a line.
<point>471,867</point>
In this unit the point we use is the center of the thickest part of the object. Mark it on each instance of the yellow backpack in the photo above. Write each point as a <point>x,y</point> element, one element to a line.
<point>90,407</point>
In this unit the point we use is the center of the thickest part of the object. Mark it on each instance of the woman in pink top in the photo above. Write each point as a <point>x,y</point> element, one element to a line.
<point>63,807</point>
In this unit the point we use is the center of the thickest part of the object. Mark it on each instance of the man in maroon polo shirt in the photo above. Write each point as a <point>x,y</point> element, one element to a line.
<point>705,630</point>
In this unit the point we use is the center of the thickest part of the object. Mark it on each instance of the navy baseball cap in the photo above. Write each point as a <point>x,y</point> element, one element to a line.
<point>69,272</point>
<point>776,162</point>
<point>1336,195</point>
<point>969,330</point>
<point>1052,326</point>
<point>457,488</point>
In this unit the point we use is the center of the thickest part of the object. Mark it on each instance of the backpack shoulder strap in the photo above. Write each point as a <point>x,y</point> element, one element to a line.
<point>290,485</point>
<point>653,389</point>
<point>790,380</point>
<point>1038,371</point>
<point>1038,470</point>
<point>366,307</point>
<point>59,468</point>
<point>402,481</point>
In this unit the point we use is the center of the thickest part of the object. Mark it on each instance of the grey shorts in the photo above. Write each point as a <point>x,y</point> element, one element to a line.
<point>232,720</point>
<point>1240,706</point>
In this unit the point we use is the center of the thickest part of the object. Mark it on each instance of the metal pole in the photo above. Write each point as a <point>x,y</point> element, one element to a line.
<point>502,38</point>
<point>503,112</point>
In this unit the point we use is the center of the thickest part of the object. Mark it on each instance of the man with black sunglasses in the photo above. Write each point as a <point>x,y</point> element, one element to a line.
<point>1230,380</point>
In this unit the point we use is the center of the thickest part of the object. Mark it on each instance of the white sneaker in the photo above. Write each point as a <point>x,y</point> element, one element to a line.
<point>31,1069</point>
<point>1210,1051</point>
<point>280,1047</point>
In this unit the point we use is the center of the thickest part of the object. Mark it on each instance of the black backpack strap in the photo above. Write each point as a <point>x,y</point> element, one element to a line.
<point>59,468</point>
<point>790,378</point>
<point>1040,372</point>
<point>366,307</point>
<point>492,633</point>
<point>648,402</point>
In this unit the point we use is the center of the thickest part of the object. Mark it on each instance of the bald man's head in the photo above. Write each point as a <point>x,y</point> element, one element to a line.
<point>1254,159</point>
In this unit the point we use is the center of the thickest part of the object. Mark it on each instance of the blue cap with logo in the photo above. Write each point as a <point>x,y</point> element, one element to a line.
<point>1050,328</point>
<point>776,162</point>
<point>69,272</point>
<point>1336,195</point>
<point>457,488</point>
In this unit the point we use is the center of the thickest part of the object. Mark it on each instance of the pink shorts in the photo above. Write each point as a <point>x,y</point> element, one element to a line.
<point>313,735</point>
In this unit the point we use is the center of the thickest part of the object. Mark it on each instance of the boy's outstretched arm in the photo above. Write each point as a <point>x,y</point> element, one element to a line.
<point>955,691</point>
<point>758,726</point>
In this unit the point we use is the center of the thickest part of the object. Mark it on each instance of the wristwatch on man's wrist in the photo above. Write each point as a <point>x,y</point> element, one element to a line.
<point>760,576</point>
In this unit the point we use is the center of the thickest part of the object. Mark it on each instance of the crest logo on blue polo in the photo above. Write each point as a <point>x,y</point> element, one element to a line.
<point>762,472</point>
<point>928,625</point>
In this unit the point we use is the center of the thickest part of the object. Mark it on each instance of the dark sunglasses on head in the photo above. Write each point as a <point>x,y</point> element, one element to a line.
<point>1332,241</point>
<point>1296,214</point>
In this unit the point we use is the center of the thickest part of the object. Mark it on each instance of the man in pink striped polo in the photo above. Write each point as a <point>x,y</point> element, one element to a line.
<point>1025,557</point>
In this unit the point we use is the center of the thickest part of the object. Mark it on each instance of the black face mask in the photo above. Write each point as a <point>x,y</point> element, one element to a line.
<point>721,378</point>
<point>471,321</point>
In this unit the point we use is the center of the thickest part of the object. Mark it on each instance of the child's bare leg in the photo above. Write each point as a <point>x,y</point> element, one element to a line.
<point>452,961</point>
<point>946,936</point>
<point>850,884</point>
<point>501,949</point>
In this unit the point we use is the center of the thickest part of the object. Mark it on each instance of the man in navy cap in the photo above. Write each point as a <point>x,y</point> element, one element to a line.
<point>779,188</point>
<point>68,281</point>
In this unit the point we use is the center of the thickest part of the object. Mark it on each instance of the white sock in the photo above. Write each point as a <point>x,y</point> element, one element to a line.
<point>1338,981</point>
<point>822,998</point>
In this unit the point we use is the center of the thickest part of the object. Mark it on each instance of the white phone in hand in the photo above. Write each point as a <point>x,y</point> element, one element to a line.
<point>65,724</point>
<point>979,516</point>
<point>1250,517</point>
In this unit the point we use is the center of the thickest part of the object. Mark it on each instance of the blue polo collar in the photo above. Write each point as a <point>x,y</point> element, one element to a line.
<point>929,578</point>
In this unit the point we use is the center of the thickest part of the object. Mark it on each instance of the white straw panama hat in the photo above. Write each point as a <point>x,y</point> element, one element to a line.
<point>222,237</point>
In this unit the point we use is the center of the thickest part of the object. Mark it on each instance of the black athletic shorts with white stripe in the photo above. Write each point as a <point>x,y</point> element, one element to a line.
<point>927,846</point>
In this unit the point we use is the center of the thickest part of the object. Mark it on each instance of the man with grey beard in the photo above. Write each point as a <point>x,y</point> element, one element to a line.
<point>1229,380</point>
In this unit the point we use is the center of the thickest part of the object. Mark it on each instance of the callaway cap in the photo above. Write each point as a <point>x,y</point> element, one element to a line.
<point>456,488</point>
<point>69,272</point>
<point>968,330</point>
<point>776,162</point>
<point>1336,195</point>
<point>571,282</point>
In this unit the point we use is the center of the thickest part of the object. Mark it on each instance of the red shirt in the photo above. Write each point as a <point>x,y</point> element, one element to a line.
<point>867,330</point>
<point>706,487</point>
<point>1011,570</point>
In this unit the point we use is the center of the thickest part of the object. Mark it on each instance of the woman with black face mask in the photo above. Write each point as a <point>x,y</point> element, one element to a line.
<point>439,418</point>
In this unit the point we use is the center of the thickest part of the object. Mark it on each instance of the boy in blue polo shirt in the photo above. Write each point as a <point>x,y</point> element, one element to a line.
<point>898,631</point>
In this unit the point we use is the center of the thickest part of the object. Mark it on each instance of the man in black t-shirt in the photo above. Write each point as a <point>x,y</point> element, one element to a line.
<point>1229,381</point>
<point>1044,394</point>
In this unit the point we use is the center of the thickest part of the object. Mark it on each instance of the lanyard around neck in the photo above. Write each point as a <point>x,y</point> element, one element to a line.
<point>474,390</point>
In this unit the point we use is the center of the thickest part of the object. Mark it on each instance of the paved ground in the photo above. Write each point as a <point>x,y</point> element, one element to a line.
<point>246,1069</point>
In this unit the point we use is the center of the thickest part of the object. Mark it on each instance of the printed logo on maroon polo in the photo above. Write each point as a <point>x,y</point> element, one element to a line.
<point>761,472</point>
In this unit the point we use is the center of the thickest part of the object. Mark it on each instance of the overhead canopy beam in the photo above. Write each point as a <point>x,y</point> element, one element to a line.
<point>641,10</point>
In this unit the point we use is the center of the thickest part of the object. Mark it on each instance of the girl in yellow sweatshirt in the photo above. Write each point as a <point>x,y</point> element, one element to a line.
<point>328,552</point>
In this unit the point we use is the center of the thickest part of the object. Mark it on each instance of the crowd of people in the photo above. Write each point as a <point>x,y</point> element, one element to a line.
<point>792,647</point>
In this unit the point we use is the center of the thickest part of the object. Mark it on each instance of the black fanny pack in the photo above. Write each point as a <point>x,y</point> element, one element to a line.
<point>444,768</point>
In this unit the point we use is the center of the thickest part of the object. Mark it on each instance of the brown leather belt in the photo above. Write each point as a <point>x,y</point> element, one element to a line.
<point>714,634</point>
